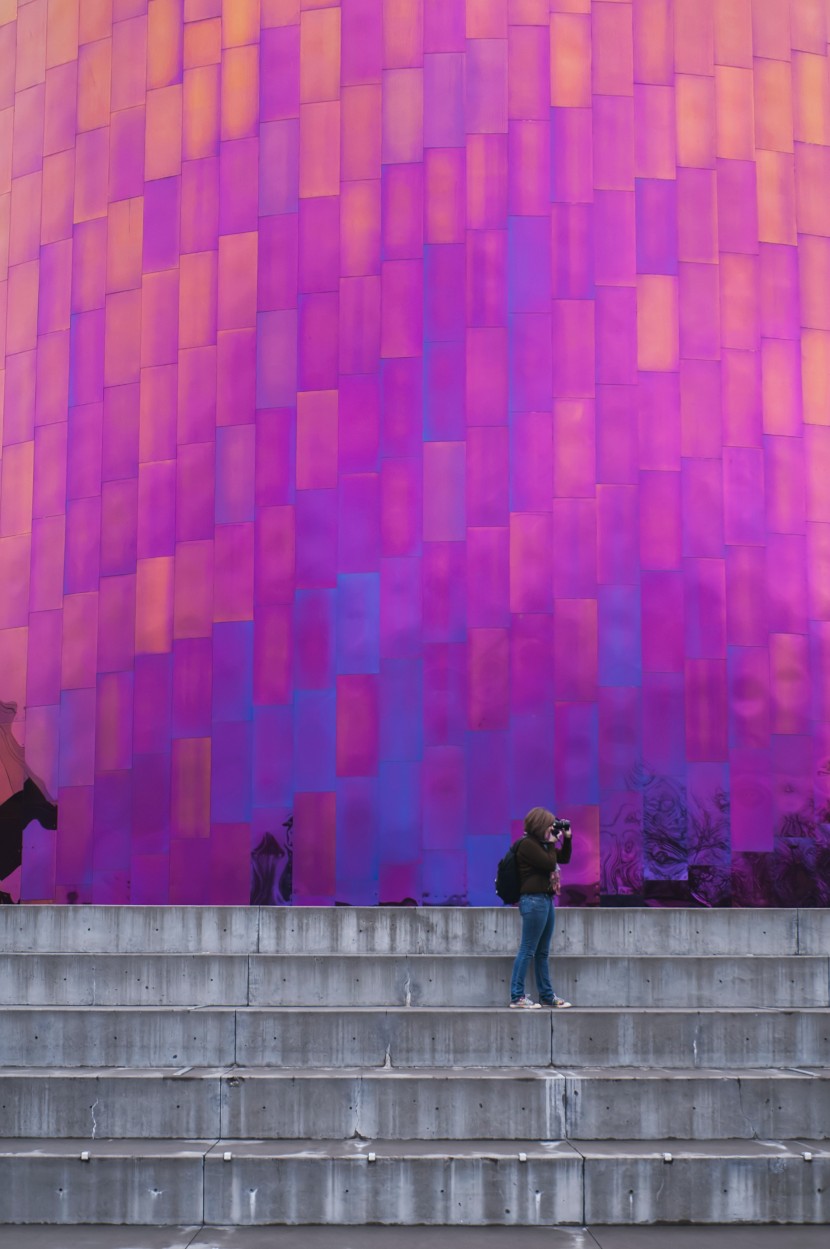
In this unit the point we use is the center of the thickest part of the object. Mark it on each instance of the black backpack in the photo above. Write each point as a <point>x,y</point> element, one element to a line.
<point>508,885</point>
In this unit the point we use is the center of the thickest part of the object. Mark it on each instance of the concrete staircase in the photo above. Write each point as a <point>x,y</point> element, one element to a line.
<point>232,1066</point>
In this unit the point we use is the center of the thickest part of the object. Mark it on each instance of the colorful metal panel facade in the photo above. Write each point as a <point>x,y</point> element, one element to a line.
<point>414,411</point>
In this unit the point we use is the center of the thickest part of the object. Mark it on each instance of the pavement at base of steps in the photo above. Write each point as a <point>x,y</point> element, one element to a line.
<point>707,1236</point>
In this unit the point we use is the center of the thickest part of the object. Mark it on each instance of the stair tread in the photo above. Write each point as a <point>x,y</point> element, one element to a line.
<point>33,1147</point>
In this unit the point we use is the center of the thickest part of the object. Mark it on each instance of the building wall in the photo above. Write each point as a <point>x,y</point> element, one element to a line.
<point>416,411</point>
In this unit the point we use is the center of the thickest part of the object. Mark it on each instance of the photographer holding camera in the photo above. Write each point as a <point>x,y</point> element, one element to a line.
<point>547,843</point>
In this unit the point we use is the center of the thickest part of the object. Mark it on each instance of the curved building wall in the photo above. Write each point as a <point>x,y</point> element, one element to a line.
<point>413,412</point>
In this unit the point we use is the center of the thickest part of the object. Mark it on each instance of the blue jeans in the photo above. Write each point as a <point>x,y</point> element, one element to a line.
<point>537,914</point>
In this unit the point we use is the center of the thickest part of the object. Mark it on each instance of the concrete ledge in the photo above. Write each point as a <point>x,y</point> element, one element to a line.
<point>158,1182</point>
<point>141,1037</point>
<point>403,930</point>
<point>532,1183</point>
<point>417,980</point>
<point>40,1037</point>
<point>410,1182</point>
<point>442,1104</point>
<point>730,1182</point>
<point>339,1037</point>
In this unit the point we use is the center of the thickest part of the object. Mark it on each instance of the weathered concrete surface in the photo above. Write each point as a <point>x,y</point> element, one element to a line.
<point>130,929</point>
<point>123,980</point>
<point>158,1182</point>
<point>656,1237</point>
<point>420,1037</point>
<point>111,1103</point>
<point>443,1103</point>
<point>416,980</point>
<point>422,930</point>
<point>406,1037</point>
<point>413,1182</point>
<point>641,1104</point>
<point>706,1182</point>
<point>116,1037</point>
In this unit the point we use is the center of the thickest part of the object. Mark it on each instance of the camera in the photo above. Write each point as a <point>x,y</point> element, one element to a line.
<point>561,826</point>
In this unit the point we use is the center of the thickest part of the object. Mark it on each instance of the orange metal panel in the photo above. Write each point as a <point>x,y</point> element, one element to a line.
<point>814,281</point>
<point>360,228</point>
<point>202,93</point>
<point>237,296</point>
<point>655,132</point>
<point>58,196</point>
<point>486,19</point>
<point>320,55</point>
<point>21,332</point>
<point>157,413</point>
<point>30,65</point>
<point>125,232</point>
<point>653,41</point>
<point>164,43</point>
<point>240,92</point>
<point>570,60</point>
<point>815,376</point>
<point>612,49</point>
<point>154,605</point>
<point>319,149</point>
<point>95,20</point>
<point>94,79</point>
<point>657,323</point>
<point>59,109</point>
<point>203,43</point>
<point>733,33</point>
<point>734,110</point>
<point>361,132</point>
<point>776,197</point>
<point>129,63</point>
<point>694,35</point>
<point>812,178</point>
<point>444,195</point>
<point>695,103</point>
<point>61,32</point>
<point>240,22</point>
<point>811,98</point>
<point>197,299</point>
<point>739,301</point>
<point>771,29</point>
<point>773,105</point>
<point>403,115</point>
<point>808,26</point>
<point>280,12</point>
<point>122,338</point>
<point>163,145</point>
<point>24,218</point>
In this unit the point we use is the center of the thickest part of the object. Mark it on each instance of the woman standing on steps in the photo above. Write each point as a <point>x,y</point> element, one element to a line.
<point>547,843</point>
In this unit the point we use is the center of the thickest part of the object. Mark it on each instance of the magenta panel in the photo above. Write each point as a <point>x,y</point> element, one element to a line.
<point>416,408</point>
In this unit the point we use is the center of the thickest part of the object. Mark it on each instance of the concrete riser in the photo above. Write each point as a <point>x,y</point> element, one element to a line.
<point>425,930</point>
<point>424,980</point>
<point>562,1188</point>
<point>39,1038</point>
<point>548,1105</point>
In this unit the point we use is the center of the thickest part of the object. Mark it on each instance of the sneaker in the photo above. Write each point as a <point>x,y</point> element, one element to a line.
<point>524,1003</point>
<point>558,1003</point>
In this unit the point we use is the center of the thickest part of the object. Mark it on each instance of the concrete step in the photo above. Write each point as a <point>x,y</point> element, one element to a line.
<point>530,1183</point>
<point>393,1104</point>
<point>145,1037</point>
<point>86,1236</point>
<point>381,980</point>
<point>403,930</point>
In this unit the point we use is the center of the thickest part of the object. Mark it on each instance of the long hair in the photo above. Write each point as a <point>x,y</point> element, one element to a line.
<point>537,822</point>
